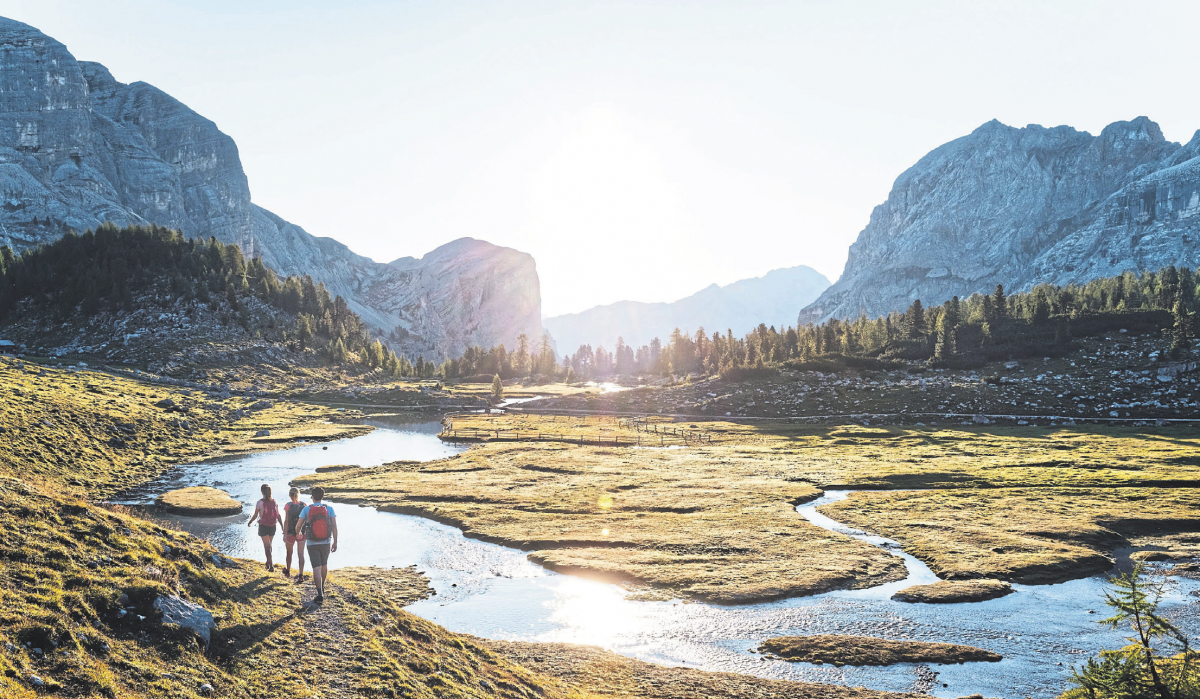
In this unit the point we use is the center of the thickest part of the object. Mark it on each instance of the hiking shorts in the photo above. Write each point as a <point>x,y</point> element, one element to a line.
<point>318,555</point>
<point>293,538</point>
<point>266,531</point>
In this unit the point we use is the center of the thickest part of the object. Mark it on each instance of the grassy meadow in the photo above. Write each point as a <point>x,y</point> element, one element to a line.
<point>712,518</point>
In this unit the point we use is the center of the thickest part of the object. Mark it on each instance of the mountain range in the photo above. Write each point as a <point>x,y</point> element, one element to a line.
<point>772,299</point>
<point>78,148</point>
<point>1020,207</point>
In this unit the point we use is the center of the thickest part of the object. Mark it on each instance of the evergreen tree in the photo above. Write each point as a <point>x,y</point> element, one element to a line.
<point>1141,669</point>
<point>497,388</point>
<point>1041,308</point>
<point>914,319</point>
<point>999,303</point>
<point>1182,330</point>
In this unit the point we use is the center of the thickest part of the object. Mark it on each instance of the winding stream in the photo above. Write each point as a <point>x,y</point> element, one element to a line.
<point>495,592</point>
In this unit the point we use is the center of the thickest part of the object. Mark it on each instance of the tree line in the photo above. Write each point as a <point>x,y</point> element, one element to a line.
<point>958,333</point>
<point>115,269</point>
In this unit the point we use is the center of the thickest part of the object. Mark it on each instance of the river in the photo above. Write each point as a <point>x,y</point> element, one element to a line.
<point>496,592</point>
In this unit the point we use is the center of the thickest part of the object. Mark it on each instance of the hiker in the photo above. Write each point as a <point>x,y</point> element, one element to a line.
<point>267,514</point>
<point>292,536</point>
<point>319,525</point>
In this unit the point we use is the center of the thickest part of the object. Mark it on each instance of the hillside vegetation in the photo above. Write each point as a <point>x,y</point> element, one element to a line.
<point>102,433</point>
<point>94,294</point>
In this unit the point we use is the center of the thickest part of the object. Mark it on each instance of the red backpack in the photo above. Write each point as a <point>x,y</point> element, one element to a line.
<point>270,514</point>
<point>318,523</point>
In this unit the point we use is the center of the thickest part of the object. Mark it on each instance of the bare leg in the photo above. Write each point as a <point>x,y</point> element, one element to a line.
<point>300,561</point>
<point>267,548</point>
<point>287,568</point>
<point>319,580</point>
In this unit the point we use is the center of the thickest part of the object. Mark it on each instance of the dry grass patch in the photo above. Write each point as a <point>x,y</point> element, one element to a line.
<point>1027,535</point>
<point>863,650</point>
<point>852,456</point>
<point>1018,503</point>
<point>199,501</point>
<point>708,524</point>
<point>954,591</point>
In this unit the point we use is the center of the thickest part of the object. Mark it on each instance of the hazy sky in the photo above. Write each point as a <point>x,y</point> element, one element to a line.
<point>638,150</point>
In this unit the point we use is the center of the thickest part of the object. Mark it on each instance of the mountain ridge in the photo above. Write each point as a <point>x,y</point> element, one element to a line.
<point>78,148</point>
<point>739,306</point>
<point>1019,207</point>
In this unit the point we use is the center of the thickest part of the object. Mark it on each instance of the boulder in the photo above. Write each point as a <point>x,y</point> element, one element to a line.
<point>180,612</point>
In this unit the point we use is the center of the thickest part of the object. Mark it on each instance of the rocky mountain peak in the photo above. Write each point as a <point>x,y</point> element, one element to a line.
<point>1139,129</point>
<point>79,148</point>
<point>1022,206</point>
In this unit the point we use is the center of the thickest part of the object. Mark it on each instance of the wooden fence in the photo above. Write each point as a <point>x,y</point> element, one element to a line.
<point>641,433</point>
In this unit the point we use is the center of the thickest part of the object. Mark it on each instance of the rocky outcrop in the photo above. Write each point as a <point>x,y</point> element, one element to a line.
<point>772,299</point>
<point>1021,207</point>
<point>187,615</point>
<point>78,148</point>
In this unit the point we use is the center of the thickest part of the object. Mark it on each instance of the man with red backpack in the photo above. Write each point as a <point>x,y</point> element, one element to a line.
<point>319,525</point>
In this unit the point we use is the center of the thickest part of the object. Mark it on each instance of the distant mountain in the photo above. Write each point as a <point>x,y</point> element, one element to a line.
<point>78,148</point>
<point>772,299</point>
<point>1021,207</point>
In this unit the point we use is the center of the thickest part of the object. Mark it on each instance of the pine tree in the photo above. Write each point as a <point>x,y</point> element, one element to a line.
<point>1141,669</point>
<point>999,303</point>
<point>1041,308</point>
<point>1182,330</point>
<point>303,330</point>
<point>914,320</point>
<point>497,388</point>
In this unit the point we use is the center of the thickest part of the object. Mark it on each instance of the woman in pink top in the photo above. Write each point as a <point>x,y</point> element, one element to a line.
<point>267,514</point>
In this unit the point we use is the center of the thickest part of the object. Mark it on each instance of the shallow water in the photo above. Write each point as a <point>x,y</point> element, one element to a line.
<point>495,592</point>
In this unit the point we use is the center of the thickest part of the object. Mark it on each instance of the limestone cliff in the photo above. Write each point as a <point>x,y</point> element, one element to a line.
<point>78,148</point>
<point>1021,207</point>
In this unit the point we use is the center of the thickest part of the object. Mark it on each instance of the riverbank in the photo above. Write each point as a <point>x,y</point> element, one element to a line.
<point>77,617</point>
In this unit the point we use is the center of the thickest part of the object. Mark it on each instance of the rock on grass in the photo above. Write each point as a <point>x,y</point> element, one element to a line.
<point>199,501</point>
<point>952,591</point>
<point>864,650</point>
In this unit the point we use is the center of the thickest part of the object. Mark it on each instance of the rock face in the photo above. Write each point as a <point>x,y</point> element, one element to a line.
<point>1021,207</point>
<point>78,148</point>
<point>772,299</point>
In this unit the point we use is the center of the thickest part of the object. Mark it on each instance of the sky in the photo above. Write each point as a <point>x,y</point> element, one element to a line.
<point>638,150</point>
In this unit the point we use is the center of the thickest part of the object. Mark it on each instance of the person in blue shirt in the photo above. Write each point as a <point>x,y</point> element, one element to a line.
<point>319,524</point>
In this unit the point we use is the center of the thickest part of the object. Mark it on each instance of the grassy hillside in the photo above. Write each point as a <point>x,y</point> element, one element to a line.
<point>101,433</point>
<point>67,564</point>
